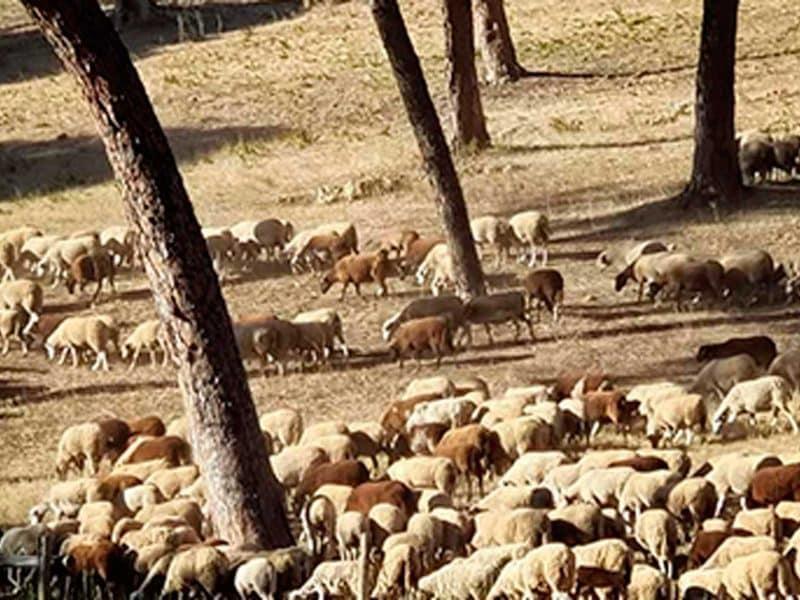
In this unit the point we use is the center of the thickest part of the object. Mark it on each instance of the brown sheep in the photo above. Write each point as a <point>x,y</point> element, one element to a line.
<point>641,463</point>
<point>417,335</point>
<point>492,455</point>
<point>467,460</point>
<point>545,286</point>
<point>607,407</point>
<point>103,558</point>
<point>150,425</point>
<point>415,251</point>
<point>173,449</point>
<point>760,347</point>
<point>704,545</point>
<point>345,472</point>
<point>396,241</point>
<point>115,433</point>
<point>774,484</point>
<point>396,414</point>
<point>111,486</point>
<point>358,269</point>
<point>97,266</point>
<point>592,381</point>
<point>704,277</point>
<point>368,494</point>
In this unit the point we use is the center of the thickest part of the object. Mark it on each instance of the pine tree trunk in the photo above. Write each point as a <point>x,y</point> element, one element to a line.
<point>432,144</point>
<point>469,125</point>
<point>245,500</point>
<point>495,44</point>
<point>715,172</point>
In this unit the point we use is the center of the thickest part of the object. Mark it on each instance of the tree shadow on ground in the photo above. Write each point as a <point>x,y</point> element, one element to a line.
<point>64,162</point>
<point>25,55</point>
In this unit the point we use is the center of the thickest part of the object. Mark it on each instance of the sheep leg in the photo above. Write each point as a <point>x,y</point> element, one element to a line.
<point>791,419</point>
<point>529,323</point>
<point>96,291</point>
<point>593,431</point>
<point>152,353</point>
<point>5,345</point>
<point>74,354</point>
<point>720,505</point>
<point>516,330</point>
<point>33,318</point>
<point>135,358</point>
<point>489,333</point>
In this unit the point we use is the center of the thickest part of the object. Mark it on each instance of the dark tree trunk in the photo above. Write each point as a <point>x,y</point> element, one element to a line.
<point>127,11</point>
<point>495,44</point>
<point>432,144</point>
<point>715,172</point>
<point>246,502</point>
<point>469,125</point>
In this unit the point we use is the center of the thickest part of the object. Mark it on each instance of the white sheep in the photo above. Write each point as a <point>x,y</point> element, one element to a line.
<point>438,385</point>
<point>495,528</point>
<point>736,547</point>
<point>270,234</point>
<point>291,463</point>
<point>452,412</point>
<point>732,473</point>
<point>323,428</point>
<point>532,467</point>
<point>694,497</point>
<point>674,415</point>
<point>646,490</point>
<point>12,325</point>
<point>493,231</point>
<point>74,333</point>
<point>647,583</point>
<point>600,459</point>
<point>761,575</point>
<point>399,572</point>
<point>337,493</point>
<point>285,426</point>
<point>758,521</point>
<point>650,394</point>
<point>657,532</point>
<point>600,486</point>
<point>507,497</point>
<point>25,295</point>
<point>200,564</point>
<point>431,499</point>
<point>170,482</point>
<point>577,522</point>
<point>708,580</point>
<point>757,395</point>
<point>350,527</point>
<point>149,336</point>
<point>337,446</point>
<point>610,555</point>
<point>82,445</point>
<point>523,434</point>
<point>137,497</point>
<point>549,569</point>
<point>334,579</point>
<point>425,472</point>
<point>438,268</point>
<point>558,479</point>
<point>532,229</point>
<point>318,520</point>
<point>256,577</point>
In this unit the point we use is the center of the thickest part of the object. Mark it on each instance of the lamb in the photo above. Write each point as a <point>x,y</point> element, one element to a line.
<point>203,565</point>
<point>356,269</point>
<point>493,231</point>
<point>549,569</point>
<point>763,575</point>
<point>771,485</point>
<point>657,532</point>
<point>760,347</point>
<point>647,583</point>
<point>768,392</point>
<point>75,333</point>
<point>416,335</point>
<point>508,527</point>
<point>646,490</point>
<point>25,295</point>
<point>285,426</point>
<point>257,577</point>
<point>603,564</point>
<point>332,322</point>
<point>545,286</point>
<point>577,523</point>
<point>425,471</point>
<point>97,267</point>
<point>721,374</point>
<point>438,268</point>
<point>601,486</point>
<point>450,307</point>
<point>675,415</point>
<point>532,228</point>
<point>149,336</point>
<point>80,446</point>
<point>530,468</point>
<point>292,462</point>
<point>736,547</point>
<point>496,309</point>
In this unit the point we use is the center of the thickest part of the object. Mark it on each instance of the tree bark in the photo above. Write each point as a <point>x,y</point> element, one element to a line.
<point>436,156</point>
<point>495,44</point>
<point>715,172</point>
<point>469,124</point>
<point>246,502</point>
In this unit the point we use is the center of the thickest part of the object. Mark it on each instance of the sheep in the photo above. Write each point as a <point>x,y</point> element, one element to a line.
<point>73,333</point>
<point>429,500</point>
<point>337,447</point>
<point>532,228</point>
<point>203,565</point>
<point>438,268</point>
<point>148,335</point>
<point>756,158</point>
<point>601,486</point>
<point>601,459</point>
<point>735,547</point>
<point>351,525</point>
<point>675,415</point>
<point>368,494</point>
<point>496,309</point>
<point>473,577</point>
<point>787,365</point>
<point>170,482</point>
<point>642,464</point>
<point>705,584</point>
<point>338,494</point>
<point>760,347</point>
<point>318,520</point>
<point>415,251</point>
<point>337,578</point>
<point>61,254</point>
<point>452,412</point>
<point>646,490</point>
<point>657,532</point>
<point>530,468</point>
<point>647,583</point>
<point>763,575</point>
<point>22,540</point>
<point>120,241</point>
<point>450,307</point>
<point>97,266</point>
<point>577,523</point>
<point>416,335</point>
<point>720,375</point>
<point>430,535</point>
<point>395,241</point>
<point>25,295</point>
<point>496,528</point>
<point>678,276</point>
<point>271,235</point>
<point>549,569</point>
<point>323,428</point>
<point>758,521</point>
<point>34,249</point>
<point>292,462</point>
<point>493,231</point>
<point>767,392</point>
<point>66,497</point>
<point>400,570</point>
<point>184,508</point>
<point>603,564</point>
<point>285,426</point>
<point>12,325</point>
<point>611,256</point>
<point>545,286</point>
<point>331,319</point>
<point>788,511</point>
<point>142,470</point>
<point>692,500</point>
<point>425,471</point>
<point>771,485</point>
<point>334,240</point>
<point>650,394</point>
<point>749,271</point>
<point>256,577</point>
<point>384,520</point>
<point>458,528</point>
<point>80,446</point>
<point>524,434</point>
<point>559,478</point>
<point>733,473</point>
<point>173,449</point>
<point>356,269</point>
<point>646,269</point>
<point>347,472</point>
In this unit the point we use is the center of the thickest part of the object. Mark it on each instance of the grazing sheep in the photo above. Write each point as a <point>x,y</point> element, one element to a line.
<point>367,495</point>
<point>771,485</point>
<point>452,412</point>
<point>733,472</point>
<point>650,394</point>
<point>646,269</point>
<point>331,319</point>
<point>692,500</point>
<point>721,374</point>
<point>787,365</point>
<point>496,528</point>
<point>399,572</point>
<point>256,577</point>
<point>202,565</point>
<point>60,255</point>
<point>25,295</point>
<point>657,532</point>
<point>149,336</point>
<point>493,231</point>
<point>438,268</point>
<point>416,335</point>
<point>762,575</point>
<point>645,490</point>
<point>12,325</point>
<point>750,397</point>
<point>736,547</point>
<point>450,307</point>
<point>272,235</point>
<point>576,523</point>
<point>545,286</point>
<point>760,347</point>
<point>758,521</point>
<point>335,579</point>
<point>674,415</point>
<point>701,584</point>
<point>318,520</point>
<point>97,267</point>
<point>356,269</point>
<point>549,570</point>
<point>351,525</point>
<point>700,277</point>
<point>74,333</point>
<point>532,229</point>
<point>80,446</point>
<point>290,464</point>
<point>414,252</point>
<point>601,486</point>
<point>384,520</point>
<point>425,472</point>
<point>173,449</point>
<point>614,255</point>
<point>749,272</point>
<point>531,467</point>
<point>284,426</point>
<point>347,472</point>
<point>496,309</point>
<point>647,583</point>
<point>603,564</point>
<point>524,434</point>
<point>170,482</point>
<point>338,446</point>
<point>560,478</point>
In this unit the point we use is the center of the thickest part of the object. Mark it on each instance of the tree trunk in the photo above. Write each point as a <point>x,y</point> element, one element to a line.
<point>432,144</point>
<point>495,45</point>
<point>715,172</point>
<point>127,11</point>
<point>245,500</point>
<point>469,125</point>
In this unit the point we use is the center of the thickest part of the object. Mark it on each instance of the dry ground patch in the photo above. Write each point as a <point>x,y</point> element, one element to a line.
<point>266,114</point>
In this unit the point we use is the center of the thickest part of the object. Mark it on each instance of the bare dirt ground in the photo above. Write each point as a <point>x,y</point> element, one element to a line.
<point>267,114</point>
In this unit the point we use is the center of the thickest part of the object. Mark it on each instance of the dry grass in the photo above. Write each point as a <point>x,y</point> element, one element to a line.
<point>264,115</point>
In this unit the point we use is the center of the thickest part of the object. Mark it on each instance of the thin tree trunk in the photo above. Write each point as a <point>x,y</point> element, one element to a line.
<point>469,125</point>
<point>436,155</point>
<point>494,42</point>
<point>715,172</point>
<point>245,500</point>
